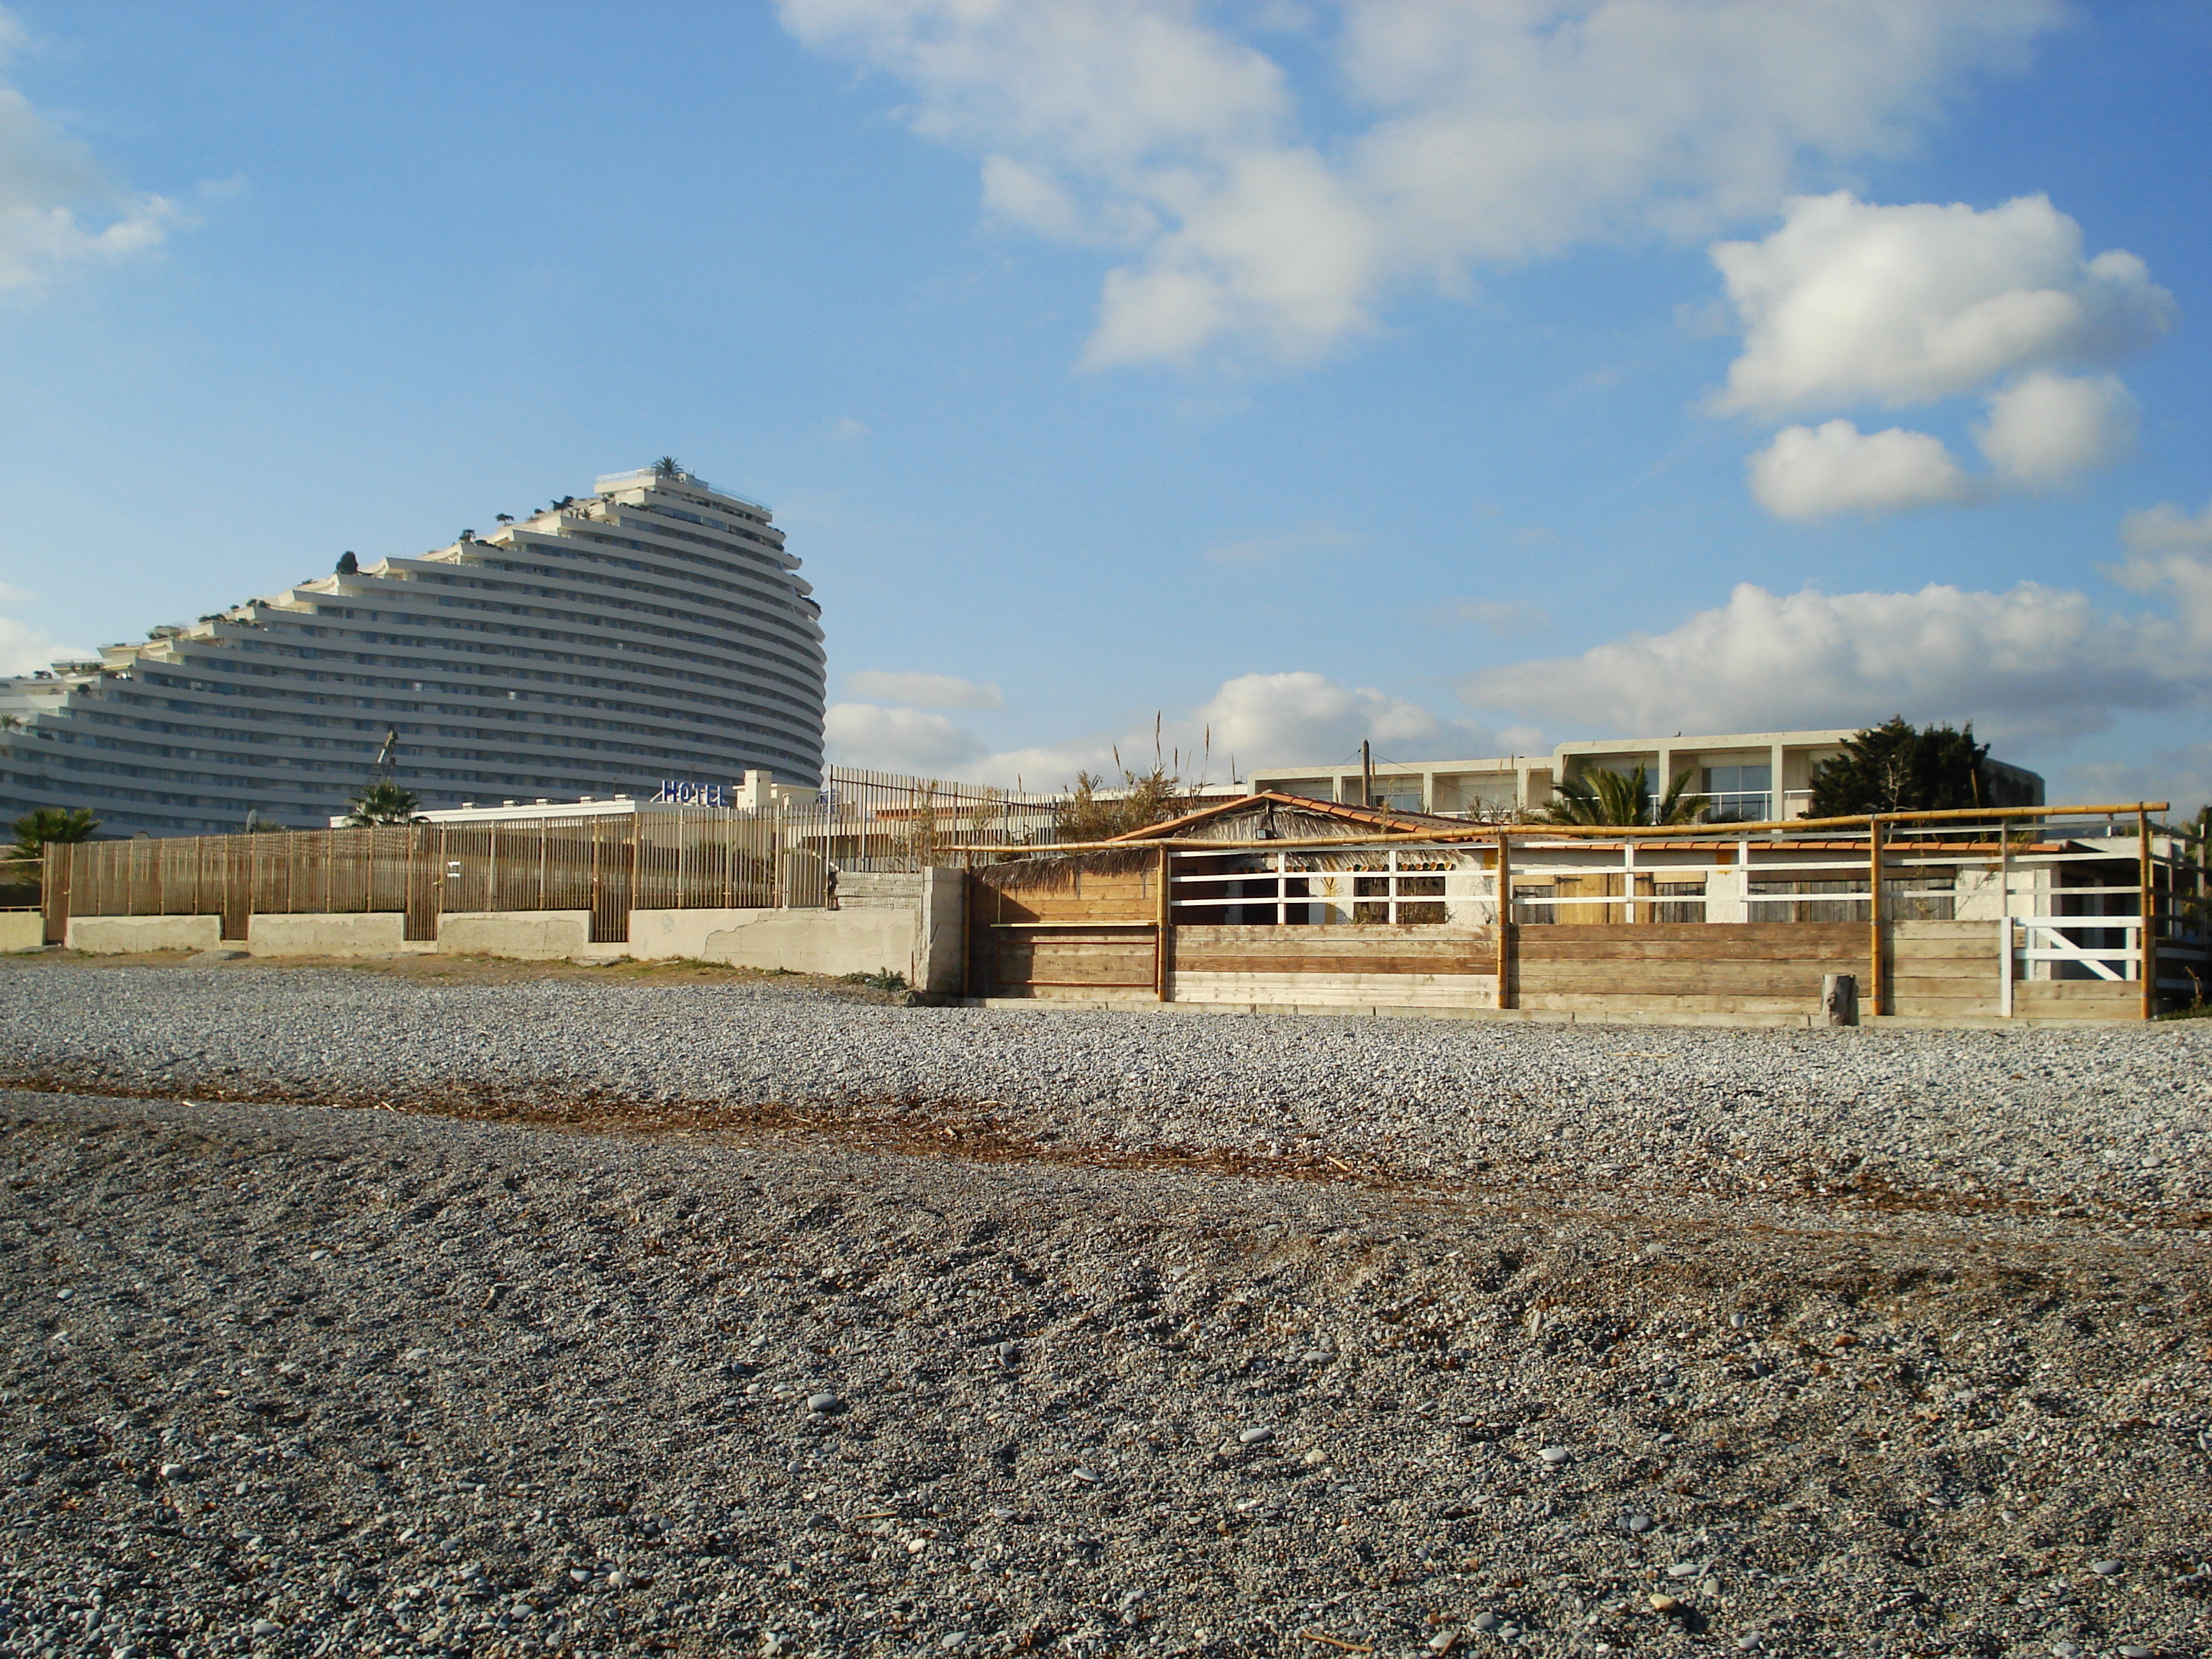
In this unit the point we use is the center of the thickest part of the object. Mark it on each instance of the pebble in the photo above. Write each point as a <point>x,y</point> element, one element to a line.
<point>1156,1304</point>
<point>2131,1651</point>
<point>1554,1455</point>
<point>824,1404</point>
<point>2105,1569</point>
<point>1255,1437</point>
<point>1666,1604</point>
<point>1087,1477</point>
<point>1488,1621</point>
<point>1683,1569</point>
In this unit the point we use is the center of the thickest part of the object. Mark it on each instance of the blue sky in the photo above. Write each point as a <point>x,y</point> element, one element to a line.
<point>1467,378</point>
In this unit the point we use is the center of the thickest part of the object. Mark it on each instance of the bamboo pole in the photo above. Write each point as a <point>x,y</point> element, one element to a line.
<point>2147,907</point>
<point>1876,986</point>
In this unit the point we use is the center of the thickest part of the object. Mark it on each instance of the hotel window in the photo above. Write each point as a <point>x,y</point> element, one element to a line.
<point>1739,792</point>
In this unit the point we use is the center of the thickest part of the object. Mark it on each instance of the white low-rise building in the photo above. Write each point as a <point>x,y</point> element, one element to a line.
<point>1747,775</point>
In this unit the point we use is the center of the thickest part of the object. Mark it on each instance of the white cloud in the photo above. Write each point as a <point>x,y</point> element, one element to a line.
<point>1496,132</point>
<point>24,648</point>
<point>1850,302</point>
<point>2047,430</point>
<point>1259,719</point>
<point>59,211</point>
<point>924,690</point>
<point>1265,549</point>
<point>898,740</point>
<point>2031,660</point>
<point>1270,720</point>
<point>1810,472</point>
<point>848,430</point>
<point>1501,618</point>
<point>2169,557</point>
<point>1853,302</point>
<point>2166,528</point>
<point>2181,777</point>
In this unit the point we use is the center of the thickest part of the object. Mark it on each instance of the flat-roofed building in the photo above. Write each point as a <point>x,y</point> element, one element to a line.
<point>1745,775</point>
<point>654,633</point>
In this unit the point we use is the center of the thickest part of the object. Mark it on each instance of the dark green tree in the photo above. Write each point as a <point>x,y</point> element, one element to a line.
<point>1897,767</point>
<point>1606,796</point>
<point>36,828</point>
<point>383,802</point>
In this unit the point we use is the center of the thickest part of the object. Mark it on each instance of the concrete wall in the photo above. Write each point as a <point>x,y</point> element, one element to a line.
<point>110,936</point>
<point>811,941</point>
<point>940,931</point>
<point>658,935</point>
<point>529,934</point>
<point>910,924</point>
<point>21,930</point>
<point>377,933</point>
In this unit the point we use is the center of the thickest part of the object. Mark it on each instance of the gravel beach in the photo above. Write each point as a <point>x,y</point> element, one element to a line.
<point>349,1312</point>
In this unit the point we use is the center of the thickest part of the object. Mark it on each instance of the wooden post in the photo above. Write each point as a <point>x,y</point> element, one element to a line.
<point>1506,997</point>
<point>2147,908</point>
<point>2005,922</point>
<point>1367,774</point>
<point>1839,999</point>
<point>54,885</point>
<point>1163,918</point>
<point>1877,982</point>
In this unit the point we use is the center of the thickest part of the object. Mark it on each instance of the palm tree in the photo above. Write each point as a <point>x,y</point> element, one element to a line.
<point>1607,797</point>
<point>668,467</point>
<point>36,829</point>
<point>383,803</point>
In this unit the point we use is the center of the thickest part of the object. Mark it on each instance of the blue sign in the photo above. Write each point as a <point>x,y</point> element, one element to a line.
<point>675,792</point>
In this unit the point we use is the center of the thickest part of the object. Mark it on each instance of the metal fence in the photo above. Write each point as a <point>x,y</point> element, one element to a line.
<point>654,858</point>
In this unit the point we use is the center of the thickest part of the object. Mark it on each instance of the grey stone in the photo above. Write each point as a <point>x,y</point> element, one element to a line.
<point>824,1404</point>
<point>1259,1437</point>
<point>1554,1455</point>
<point>2106,1569</point>
<point>833,1225</point>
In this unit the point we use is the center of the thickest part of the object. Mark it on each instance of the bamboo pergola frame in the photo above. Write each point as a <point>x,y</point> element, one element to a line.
<point>2138,810</point>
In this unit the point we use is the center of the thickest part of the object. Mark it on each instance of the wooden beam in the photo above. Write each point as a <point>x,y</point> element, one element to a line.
<point>1875,987</point>
<point>1160,924</point>
<point>1507,997</point>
